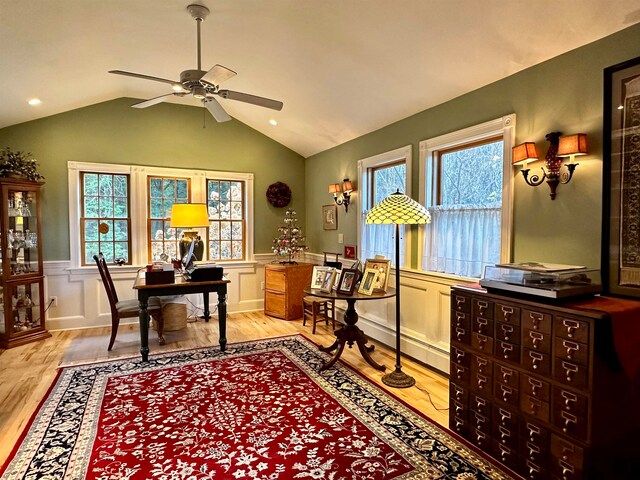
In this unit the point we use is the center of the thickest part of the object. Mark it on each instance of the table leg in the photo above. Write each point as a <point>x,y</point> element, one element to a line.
<point>144,328</point>
<point>206,314</point>
<point>222,316</point>
<point>350,334</point>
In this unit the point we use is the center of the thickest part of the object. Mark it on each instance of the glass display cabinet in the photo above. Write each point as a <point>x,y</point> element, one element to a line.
<point>21,278</point>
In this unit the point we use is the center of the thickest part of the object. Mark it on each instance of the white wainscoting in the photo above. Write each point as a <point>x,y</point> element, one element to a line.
<point>82,303</point>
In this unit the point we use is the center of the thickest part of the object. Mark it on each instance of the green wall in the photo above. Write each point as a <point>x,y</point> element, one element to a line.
<point>165,135</point>
<point>563,94</point>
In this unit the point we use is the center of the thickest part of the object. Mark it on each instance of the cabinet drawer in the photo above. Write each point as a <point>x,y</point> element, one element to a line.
<point>572,351</point>
<point>507,332</point>
<point>572,329</point>
<point>459,372</point>
<point>480,404</point>
<point>507,351</point>
<point>506,394</point>
<point>480,364</point>
<point>461,357</point>
<point>275,304</point>
<point>459,425</point>
<point>506,376</point>
<point>459,393</point>
<point>505,417</point>
<point>461,303</point>
<point>275,280</point>
<point>537,321</point>
<point>538,341</point>
<point>480,382</point>
<point>460,319</point>
<point>534,407</point>
<point>571,373</point>
<point>538,389</point>
<point>480,439</point>
<point>461,335</point>
<point>507,313</point>
<point>481,342</point>
<point>460,410</point>
<point>536,362</point>
<point>567,459</point>
<point>533,469</point>
<point>480,422</point>
<point>482,308</point>
<point>503,450</point>
<point>534,433</point>
<point>482,325</point>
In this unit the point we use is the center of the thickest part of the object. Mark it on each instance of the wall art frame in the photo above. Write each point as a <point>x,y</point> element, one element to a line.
<point>330,217</point>
<point>621,180</point>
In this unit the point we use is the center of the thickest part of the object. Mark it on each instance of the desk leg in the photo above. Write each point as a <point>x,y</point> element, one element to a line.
<point>144,329</point>
<point>206,313</point>
<point>222,317</point>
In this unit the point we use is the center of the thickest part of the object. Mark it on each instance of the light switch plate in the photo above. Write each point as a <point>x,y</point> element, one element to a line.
<point>340,238</point>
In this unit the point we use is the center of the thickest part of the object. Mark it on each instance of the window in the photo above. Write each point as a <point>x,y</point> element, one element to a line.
<point>226,219</point>
<point>465,180</point>
<point>380,176</point>
<point>105,216</point>
<point>163,193</point>
<point>124,211</point>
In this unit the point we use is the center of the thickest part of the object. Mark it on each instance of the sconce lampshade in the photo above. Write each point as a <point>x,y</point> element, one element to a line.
<point>524,152</point>
<point>189,215</point>
<point>572,145</point>
<point>346,186</point>
<point>334,188</point>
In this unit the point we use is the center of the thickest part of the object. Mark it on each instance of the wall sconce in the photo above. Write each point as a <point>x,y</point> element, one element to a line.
<point>346,190</point>
<point>559,147</point>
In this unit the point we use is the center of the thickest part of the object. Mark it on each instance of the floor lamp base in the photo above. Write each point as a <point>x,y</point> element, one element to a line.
<point>398,379</point>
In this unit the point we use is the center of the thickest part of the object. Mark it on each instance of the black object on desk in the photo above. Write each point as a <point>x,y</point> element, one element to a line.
<point>203,272</point>
<point>180,287</point>
<point>349,333</point>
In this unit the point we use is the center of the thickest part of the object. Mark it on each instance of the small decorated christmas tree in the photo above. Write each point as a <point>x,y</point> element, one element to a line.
<point>289,243</point>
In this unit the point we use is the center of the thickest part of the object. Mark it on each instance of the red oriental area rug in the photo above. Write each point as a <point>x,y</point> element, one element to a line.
<point>260,410</point>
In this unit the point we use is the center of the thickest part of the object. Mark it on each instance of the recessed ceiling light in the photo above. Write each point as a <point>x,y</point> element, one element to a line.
<point>620,107</point>
<point>35,101</point>
<point>273,122</point>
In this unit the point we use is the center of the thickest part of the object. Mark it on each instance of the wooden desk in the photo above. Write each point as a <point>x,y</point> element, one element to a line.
<point>180,287</point>
<point>349,333</point>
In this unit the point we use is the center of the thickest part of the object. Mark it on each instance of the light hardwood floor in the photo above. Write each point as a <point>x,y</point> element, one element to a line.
<point>26,372</point>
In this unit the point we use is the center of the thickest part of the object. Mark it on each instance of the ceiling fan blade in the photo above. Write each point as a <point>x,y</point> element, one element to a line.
<point>152,101</point>
<point>146,77</point>
<point>217,75</point>
<point>216,110</point>
<point>248,98</point>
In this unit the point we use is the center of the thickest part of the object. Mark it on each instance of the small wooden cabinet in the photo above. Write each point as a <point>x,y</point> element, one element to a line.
<point>283,289</point>
<point>21,279</point>
<point>539,387</point>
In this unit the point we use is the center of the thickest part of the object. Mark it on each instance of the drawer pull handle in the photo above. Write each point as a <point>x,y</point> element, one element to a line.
<point>569,398</point>
<point>459,372</point>
<point>505,393</point>
<point>460,301</point>
<point>482,306</point>
<point>536,359</point>
<point>458,394</point>
<point>568,420</point>
<point>480,402</point>
<point>569,370</point>
<point>566,469</point>
<point>482,340</point>
<point>481,382</point>
<point>460,334</point>
<point>459,319</point>
<point>536,339</point>
<point>571,348</point>
<point>535,386</point>
<point>504,415</point>
<point>506,374</point>
<point>506,350</point>
<point>507,330</point>
<point>480,437</point>
<point>507,312</point>
<point>458,409</point>
<point>537,318</point>
<point>533,469</point>
<point>458,424</point>
<point>533,431</point>
<point>571,326</point>
<point>533,450</point>
<point>482,323</point>
<point>459,356</point>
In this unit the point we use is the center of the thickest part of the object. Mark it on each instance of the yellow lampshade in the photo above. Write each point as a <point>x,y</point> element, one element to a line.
<point>572,145</point>
<point>189,215</point>
<point>400,209</point>
<point>334,188</point>
<point>525,152</point>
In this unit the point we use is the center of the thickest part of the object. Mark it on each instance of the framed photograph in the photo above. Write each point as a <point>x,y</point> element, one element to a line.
<point>327,281</point>
<point>336,278</point>
<point>317,277</point>
<point>330,217</point>
<point>350,252</point>
<point>621,191</point>
<point>347,282</point>
<point>368,281</point>
<point>383,266</point>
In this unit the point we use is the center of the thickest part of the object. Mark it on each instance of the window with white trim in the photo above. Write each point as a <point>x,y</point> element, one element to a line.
<point>466,183</point>
<point>379,177</point>
<point>124,211</point>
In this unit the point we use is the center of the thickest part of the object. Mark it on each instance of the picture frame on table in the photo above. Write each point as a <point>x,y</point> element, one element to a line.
<point>348,280</point>
<point>368,281</point>
<point>317,277</point>
<point>350,252</point>
<point>383,266</point>
<point>621,188</point>
<point>330,217</point>
<point>328,279</point>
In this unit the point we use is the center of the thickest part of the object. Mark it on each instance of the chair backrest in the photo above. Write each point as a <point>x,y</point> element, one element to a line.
<point>334,264</point>
<point>106,280</point>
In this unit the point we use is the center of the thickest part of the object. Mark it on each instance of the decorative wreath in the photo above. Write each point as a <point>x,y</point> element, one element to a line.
<point>279,194</point>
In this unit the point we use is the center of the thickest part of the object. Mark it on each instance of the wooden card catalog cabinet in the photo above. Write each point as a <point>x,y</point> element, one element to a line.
<point>284,285</point>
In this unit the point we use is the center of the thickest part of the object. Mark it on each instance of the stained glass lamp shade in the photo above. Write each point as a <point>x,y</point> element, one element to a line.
<point>398,209</point>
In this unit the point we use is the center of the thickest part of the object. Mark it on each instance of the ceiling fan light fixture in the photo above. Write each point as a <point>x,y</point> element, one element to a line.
<point>199,92</point>
<point>178,88</point>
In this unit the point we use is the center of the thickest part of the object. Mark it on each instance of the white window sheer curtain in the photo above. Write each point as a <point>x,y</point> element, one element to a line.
<point>462,240</point>
<point>378,239</point>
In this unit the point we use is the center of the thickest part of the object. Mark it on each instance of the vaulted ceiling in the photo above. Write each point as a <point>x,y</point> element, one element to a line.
<point>343,68</point>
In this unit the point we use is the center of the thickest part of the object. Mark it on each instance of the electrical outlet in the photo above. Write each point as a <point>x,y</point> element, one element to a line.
<point>262,285</point>
<point>54,301</point>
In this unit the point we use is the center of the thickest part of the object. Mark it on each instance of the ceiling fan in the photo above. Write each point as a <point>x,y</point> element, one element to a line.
<point>203,85</point>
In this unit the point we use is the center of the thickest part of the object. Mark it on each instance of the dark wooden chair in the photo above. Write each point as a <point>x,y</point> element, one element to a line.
<point>319,309</point>
<point>125,308</point>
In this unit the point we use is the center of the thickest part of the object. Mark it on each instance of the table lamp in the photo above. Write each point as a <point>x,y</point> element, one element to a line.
<point>190,216</point>
<point>398,209</point>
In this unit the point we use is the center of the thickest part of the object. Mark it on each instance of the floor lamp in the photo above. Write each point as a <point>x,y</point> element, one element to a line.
<point>398,209</point>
